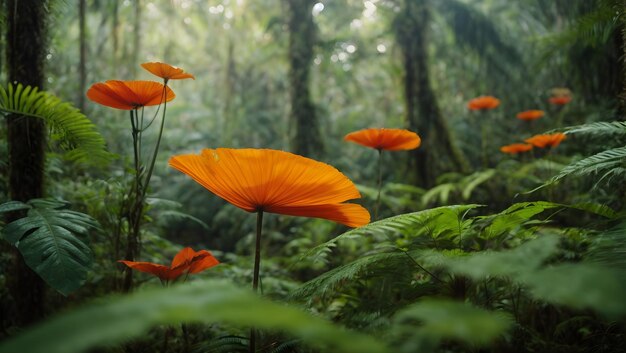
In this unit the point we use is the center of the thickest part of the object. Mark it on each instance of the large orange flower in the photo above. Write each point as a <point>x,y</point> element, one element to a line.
<point>166,71</point>
<point>483,103</point>
<point>546,140</point>
<point>186,261</point>
<point>530,115</point>
<point>275,181</point>
<point>516,148</point>
<point>129,95</point>
<point>385,139</point>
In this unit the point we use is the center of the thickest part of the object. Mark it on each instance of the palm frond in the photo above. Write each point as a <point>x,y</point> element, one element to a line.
<point>70,129</point>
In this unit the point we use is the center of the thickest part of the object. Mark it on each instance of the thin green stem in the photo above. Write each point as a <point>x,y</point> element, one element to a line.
<point>255,278</point>
<point>380,182</point>
<point>158,142</point>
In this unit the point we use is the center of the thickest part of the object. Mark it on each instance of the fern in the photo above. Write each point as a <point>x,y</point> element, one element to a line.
<point>599,128</point>
<point>602,161</point>
<point>46,237</point>
<point>402,224</point>
<point>328,281</point>
<point>74,132</point>
<point>119,318</point>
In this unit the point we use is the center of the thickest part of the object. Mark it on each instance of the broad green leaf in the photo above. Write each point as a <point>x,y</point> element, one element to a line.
<point>119,318</point>
<point>445,319</point>
<point>515,216</point>
<point>13,206</point>
<point>47,239</point>
<point>523,259</point>
<point>580,286</point>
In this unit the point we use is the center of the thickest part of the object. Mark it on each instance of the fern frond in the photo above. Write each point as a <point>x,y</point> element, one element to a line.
<point>602,161</point>
<point>328,281</point>
<point>402,224</point>
<point>599,128</point>
<point>72,130</point>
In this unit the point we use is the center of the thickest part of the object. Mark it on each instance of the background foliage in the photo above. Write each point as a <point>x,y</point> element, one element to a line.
<point>473,262</point>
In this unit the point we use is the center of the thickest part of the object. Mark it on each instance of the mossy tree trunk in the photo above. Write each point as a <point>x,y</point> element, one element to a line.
<point>26,141</point>
<point>306,140</point>
<point>422,113</point>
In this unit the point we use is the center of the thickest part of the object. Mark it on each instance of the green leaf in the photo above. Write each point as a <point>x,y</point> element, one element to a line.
<point>445,319</point>
<point>46,237</point>
<point>402,224</point>
<point>13,206</point>
<point>119,318</point>
<point>580,286</point>
<point>523,259</point>
<point>515,216</point>
<point>73,131</point>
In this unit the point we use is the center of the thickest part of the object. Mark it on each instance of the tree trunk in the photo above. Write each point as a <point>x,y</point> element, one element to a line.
<point>302,32</point>
<point>26,141</point>
<point>82,65</point>
<point>136,39</point>
<point>422,113</point>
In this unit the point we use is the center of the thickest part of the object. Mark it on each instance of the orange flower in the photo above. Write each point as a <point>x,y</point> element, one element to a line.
<point>166,71</point>
<point>483,103</point>
<point>385,139</point>
<point>560,96</point>
<point>516,148</point>
<point>186,260</point>
<point>128,95</point>
<point>530,115</point>
<point>560,100</point>
<point>546,140</point>
<point>275,181</point>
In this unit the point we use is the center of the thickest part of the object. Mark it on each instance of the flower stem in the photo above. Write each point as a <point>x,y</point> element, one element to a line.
<point>255,278</point>
<point>380,182</point>
<point>158,142</point>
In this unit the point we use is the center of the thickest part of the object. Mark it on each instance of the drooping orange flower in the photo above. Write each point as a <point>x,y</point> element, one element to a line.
<point>483,103</point>
<point>275,181</point>
<point>516,148</point>
<point>129,95</point>
<point>530,115</point>
<point>560,100</point>
<point>546,140</point>
<point>385,139</point>
<point>186,261</point>
<point>166,71</point>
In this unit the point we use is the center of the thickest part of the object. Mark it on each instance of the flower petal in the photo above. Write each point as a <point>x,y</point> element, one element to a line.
<point>385,139</point>
<point>129,95</point>
<point>183,257</point>
<point>163,272</point>
<point>203,261</point>
<point>166,71</point>
<point>270,180</point>
<point>349,214</point>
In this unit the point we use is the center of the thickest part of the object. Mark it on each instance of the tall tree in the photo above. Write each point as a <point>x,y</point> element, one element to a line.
<point>422,113</point>
<point>302,36</point>
<point>26,41</point>
<point>82,65</point>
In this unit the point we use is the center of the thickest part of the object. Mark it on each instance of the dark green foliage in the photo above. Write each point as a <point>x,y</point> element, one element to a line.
<point>118,319</point>
<point>72,131</point>
<point>47,239</point>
